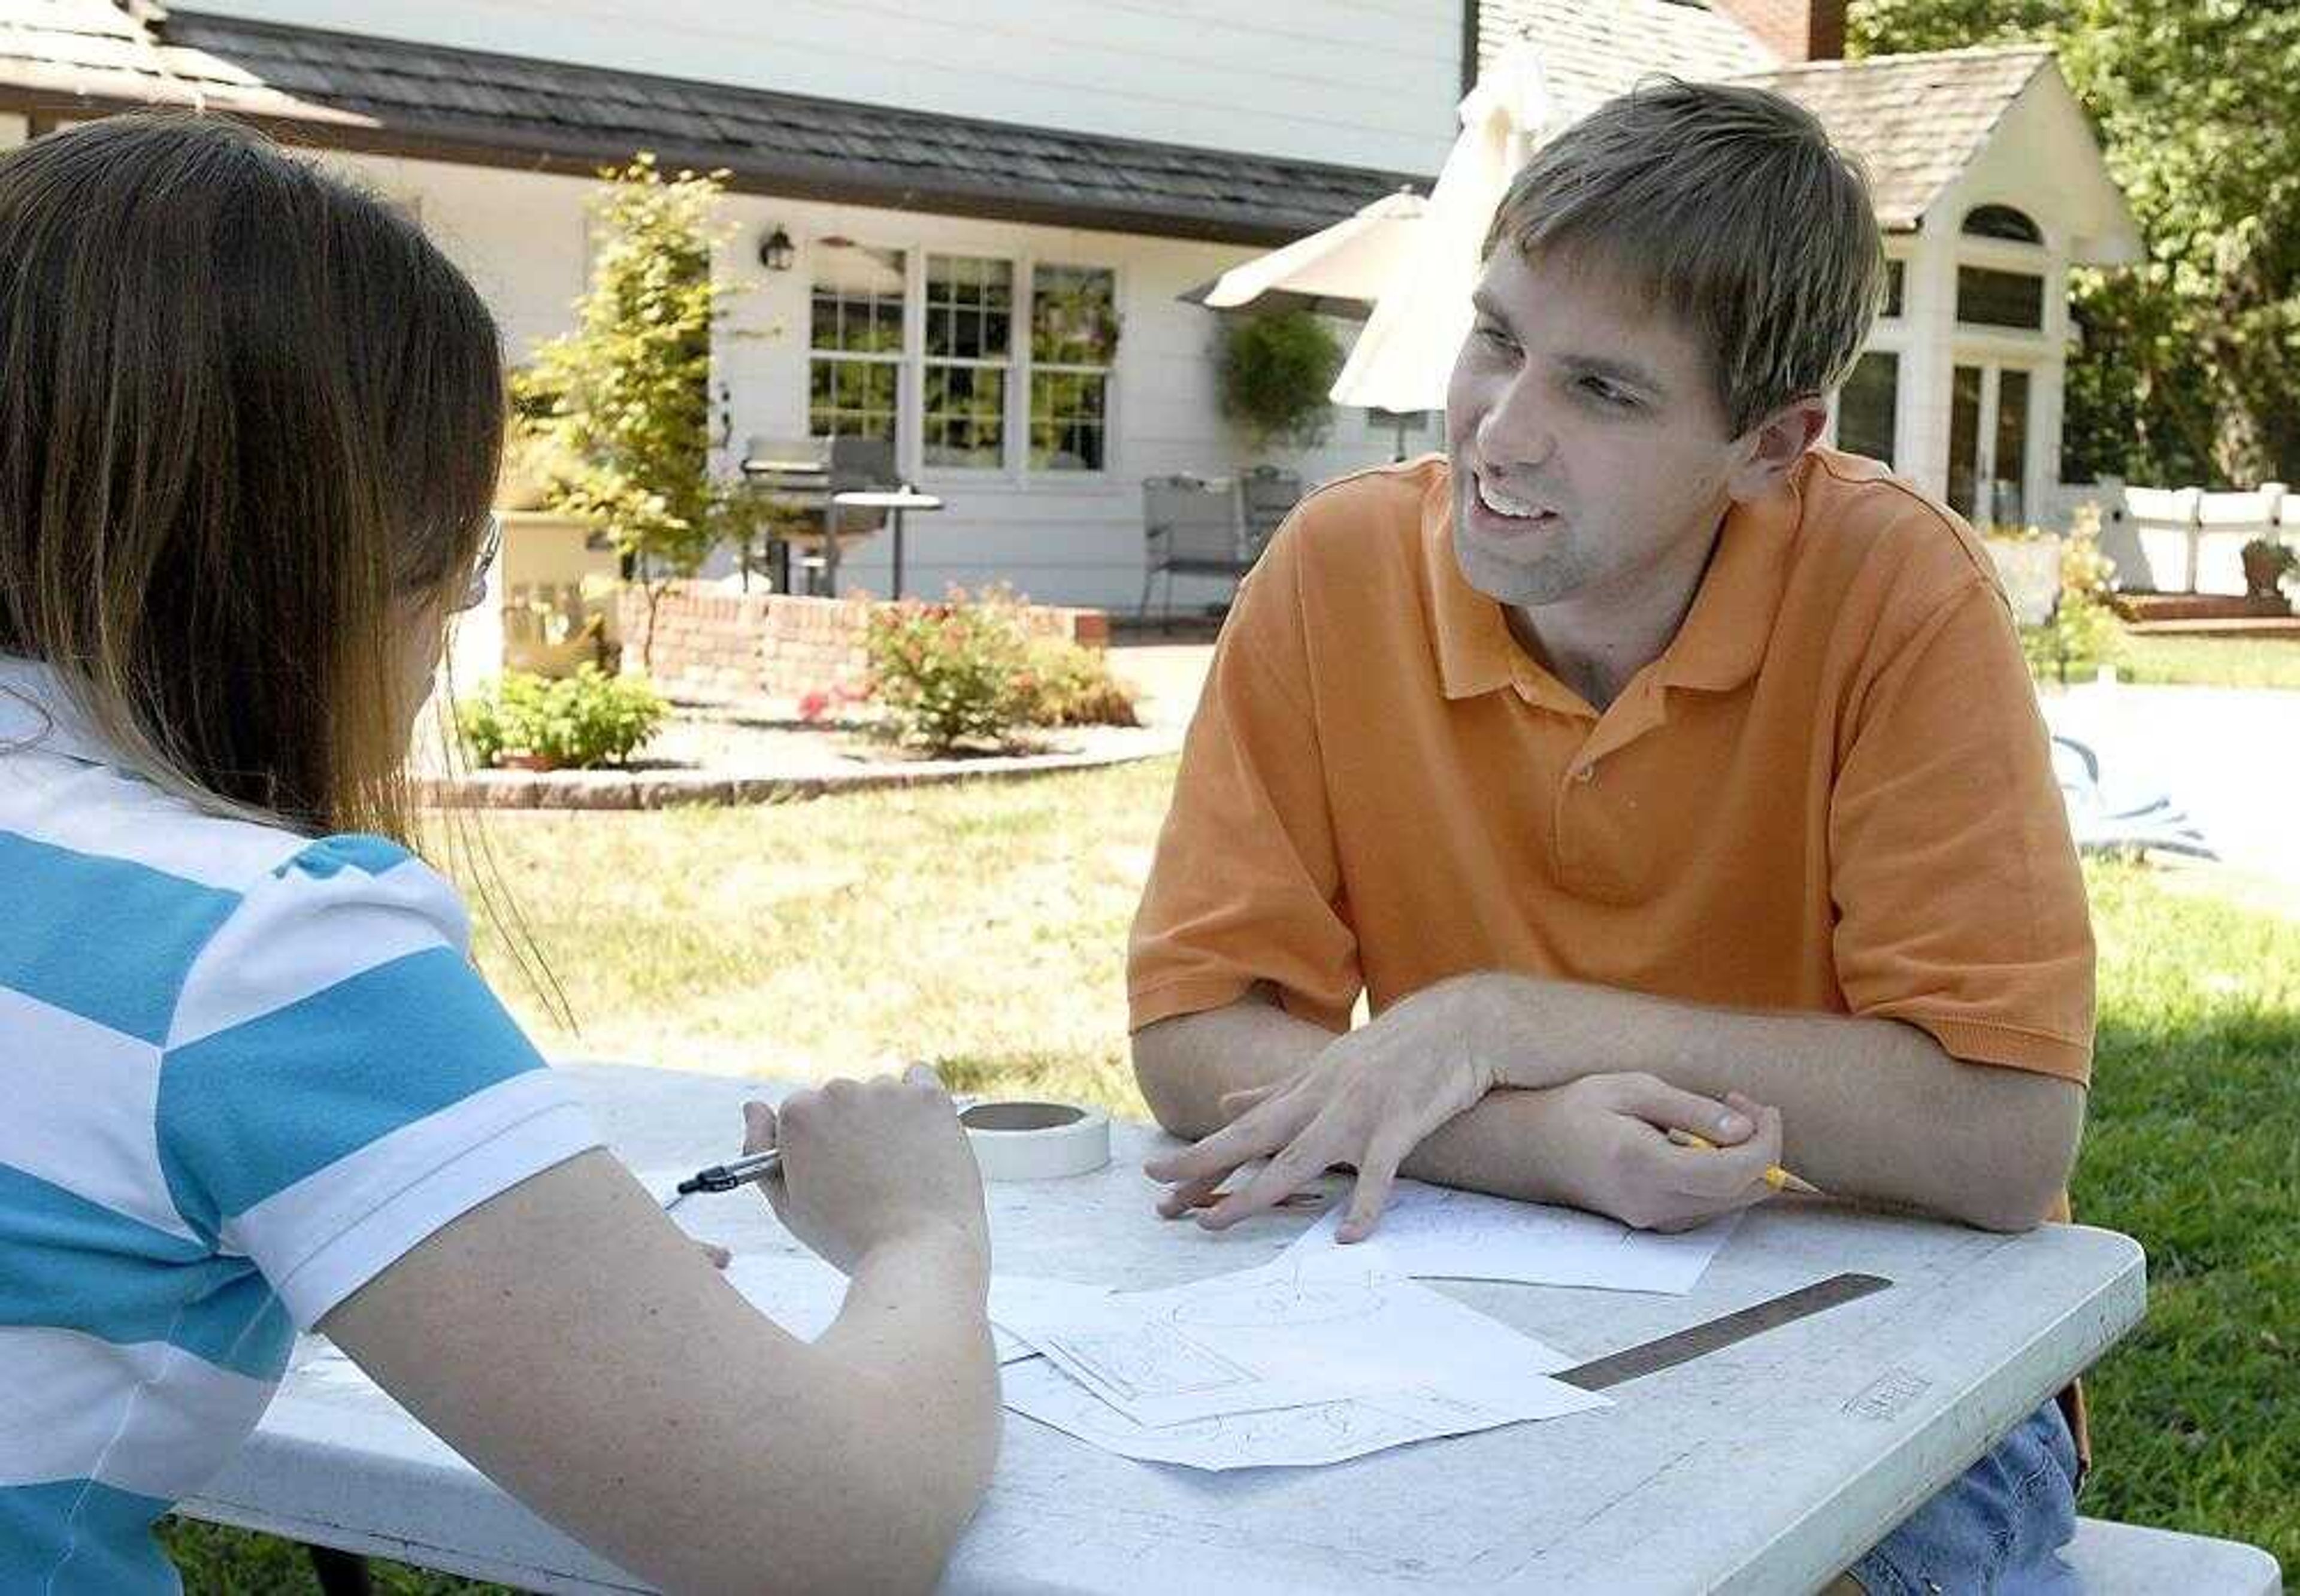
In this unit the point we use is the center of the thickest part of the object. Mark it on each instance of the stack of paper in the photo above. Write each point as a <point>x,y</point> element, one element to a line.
<point>1266,1367</point>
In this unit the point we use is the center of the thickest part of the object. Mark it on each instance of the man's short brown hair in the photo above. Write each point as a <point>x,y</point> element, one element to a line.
<point>1729,205</point>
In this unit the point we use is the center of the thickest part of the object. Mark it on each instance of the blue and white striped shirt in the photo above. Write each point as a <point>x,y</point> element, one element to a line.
<point>241,1072</point>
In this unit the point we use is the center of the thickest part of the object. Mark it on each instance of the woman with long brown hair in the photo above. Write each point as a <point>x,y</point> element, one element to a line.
<point>249,426</point>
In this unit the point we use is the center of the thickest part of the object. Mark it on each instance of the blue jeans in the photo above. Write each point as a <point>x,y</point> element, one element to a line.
<point>1997,1530</point>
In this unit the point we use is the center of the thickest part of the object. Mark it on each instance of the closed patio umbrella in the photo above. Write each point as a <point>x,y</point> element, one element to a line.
<point>1402,360</point>
<point>1339,271</point>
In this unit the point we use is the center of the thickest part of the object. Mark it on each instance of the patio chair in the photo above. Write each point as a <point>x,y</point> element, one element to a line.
<point>1266,496</point>
<point>1189,528</point>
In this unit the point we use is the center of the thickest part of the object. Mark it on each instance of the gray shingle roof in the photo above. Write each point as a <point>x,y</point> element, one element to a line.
<point>355,92</point>
<point>1914,121</point>
<point>1592,50</point>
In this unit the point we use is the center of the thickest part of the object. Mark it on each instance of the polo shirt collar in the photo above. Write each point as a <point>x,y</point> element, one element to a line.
<point>1726,633</point>
<point>1476,654</point>
<point>1719,647</point>
<point>38,714</point>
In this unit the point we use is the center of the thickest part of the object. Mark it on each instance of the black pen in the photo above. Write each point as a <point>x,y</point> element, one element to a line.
<point>726,1177</point>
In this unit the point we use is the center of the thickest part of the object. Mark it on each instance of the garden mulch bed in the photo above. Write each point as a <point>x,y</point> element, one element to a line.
<point>763,753</point>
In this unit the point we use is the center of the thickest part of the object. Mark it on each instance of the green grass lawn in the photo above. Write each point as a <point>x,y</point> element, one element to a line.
<point>2206,662</point>
<point>983,929</point>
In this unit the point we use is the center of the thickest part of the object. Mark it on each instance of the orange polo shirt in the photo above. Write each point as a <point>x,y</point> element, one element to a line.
<point>1832,792</point>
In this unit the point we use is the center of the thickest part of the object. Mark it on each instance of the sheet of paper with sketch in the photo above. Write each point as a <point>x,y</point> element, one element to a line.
<point>1266,1339</point>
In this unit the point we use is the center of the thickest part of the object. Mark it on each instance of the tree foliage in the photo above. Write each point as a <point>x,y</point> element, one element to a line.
<point>622,405</point>
<point>2187,372</point>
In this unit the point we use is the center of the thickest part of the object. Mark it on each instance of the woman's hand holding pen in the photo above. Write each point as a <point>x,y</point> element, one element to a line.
<point>868,1162</point>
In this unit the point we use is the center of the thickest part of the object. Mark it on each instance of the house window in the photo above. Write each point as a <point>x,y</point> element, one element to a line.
<point>1073,342</point>
<point>2008,496</point>
<point>1989,445</point>
<point>970,317</point>
<point>1985,297</point>
<point>1869,406</point>
<point>855,366</point>
<point>2002,221</point>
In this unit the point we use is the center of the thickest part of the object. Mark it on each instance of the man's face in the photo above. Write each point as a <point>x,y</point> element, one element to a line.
<point>1589,451</point>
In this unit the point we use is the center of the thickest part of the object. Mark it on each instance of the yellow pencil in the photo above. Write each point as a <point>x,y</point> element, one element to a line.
<point>1777,1178</point>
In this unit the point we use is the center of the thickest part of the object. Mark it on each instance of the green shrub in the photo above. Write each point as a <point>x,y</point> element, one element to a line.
<point>1069,684</point>
<point>952,673</point>
<point>577,722</point>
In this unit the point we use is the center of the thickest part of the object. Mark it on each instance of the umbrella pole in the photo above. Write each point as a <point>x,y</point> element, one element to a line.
<point>1397,421</point>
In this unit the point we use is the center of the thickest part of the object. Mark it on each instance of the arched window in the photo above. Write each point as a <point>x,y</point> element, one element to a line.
<point>2002,221</point>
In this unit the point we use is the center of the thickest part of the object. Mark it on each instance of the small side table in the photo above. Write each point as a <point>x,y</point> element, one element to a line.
<point>895,501</point>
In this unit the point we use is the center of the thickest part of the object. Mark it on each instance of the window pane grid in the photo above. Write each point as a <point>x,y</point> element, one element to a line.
<point>1068,420</point>
<point>1073,315</point>
<point>852,397</point>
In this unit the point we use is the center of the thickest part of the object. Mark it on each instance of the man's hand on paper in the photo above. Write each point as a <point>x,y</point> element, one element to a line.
<point>1605,1142</point>
<point>867,1162</point>
<point>1367,1101</point>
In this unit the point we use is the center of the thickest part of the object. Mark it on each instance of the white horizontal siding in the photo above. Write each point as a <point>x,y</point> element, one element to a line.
<point>1067,540</point>
<point>11,132</point>
<point>1355,82</point>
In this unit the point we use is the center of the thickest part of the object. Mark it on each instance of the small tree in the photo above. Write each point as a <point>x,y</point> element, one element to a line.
<point>624,401</point>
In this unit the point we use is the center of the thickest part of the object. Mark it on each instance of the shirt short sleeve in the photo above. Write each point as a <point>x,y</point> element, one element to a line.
<point>338,1082</point>
<point>1245,885</point>
<point>1961,908</point>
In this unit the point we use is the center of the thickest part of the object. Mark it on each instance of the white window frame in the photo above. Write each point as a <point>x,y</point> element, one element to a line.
<point>914,344</point>
<point>908,391</point>
<point>1893,336</point>
<point>1993,360</point>
<point>1028,265</point>
<point>910,385</point>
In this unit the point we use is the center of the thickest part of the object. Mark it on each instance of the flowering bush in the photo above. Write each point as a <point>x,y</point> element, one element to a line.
<point>952,673</point>
<point>1071,685</point>
<point>587,719</point>
<point>817,706</point>
<point>969,670</point>
<point>2084,631</point>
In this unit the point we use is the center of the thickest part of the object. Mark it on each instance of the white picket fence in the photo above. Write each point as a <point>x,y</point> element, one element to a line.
<point>2182,539</point>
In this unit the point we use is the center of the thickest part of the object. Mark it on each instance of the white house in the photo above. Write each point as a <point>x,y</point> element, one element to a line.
<point>990,214</point>
<point>1988,185</point>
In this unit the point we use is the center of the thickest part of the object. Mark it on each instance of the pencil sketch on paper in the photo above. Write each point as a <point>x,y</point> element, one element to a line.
<point>1279,1302</point>
<point>1148,1360</point>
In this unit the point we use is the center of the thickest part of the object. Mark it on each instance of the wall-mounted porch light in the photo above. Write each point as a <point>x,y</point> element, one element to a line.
<point>776,252</point>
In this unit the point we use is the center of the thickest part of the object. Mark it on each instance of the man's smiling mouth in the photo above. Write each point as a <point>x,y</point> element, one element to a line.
<point>1504,506</point>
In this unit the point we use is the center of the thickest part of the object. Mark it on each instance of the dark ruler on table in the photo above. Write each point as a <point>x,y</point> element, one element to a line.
<point>1686,1345</point>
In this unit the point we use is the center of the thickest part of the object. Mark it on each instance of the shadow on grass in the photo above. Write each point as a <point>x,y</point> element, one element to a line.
<point>2193,1147</point>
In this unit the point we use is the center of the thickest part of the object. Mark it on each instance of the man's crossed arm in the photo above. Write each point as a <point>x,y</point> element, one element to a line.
<point>1562,1092</point>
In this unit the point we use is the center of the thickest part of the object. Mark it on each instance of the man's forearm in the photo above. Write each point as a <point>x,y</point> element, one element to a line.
<point>1869,1108</point>
<point>1872,1109</point>
<point>1185,1065</point>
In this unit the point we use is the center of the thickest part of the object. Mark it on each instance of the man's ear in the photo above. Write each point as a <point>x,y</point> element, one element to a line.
<point>1769,451</point>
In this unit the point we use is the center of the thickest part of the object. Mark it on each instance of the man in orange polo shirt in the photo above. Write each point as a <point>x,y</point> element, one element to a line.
<point>1646,767</point>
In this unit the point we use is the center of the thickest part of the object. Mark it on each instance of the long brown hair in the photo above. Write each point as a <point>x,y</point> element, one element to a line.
<point>248,415</point>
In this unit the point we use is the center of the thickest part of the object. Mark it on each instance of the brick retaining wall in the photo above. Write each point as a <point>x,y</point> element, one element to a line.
<point>714,645</point>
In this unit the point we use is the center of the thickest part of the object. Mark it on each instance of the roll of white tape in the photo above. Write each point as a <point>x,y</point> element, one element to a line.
<point>1035,1141</point>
